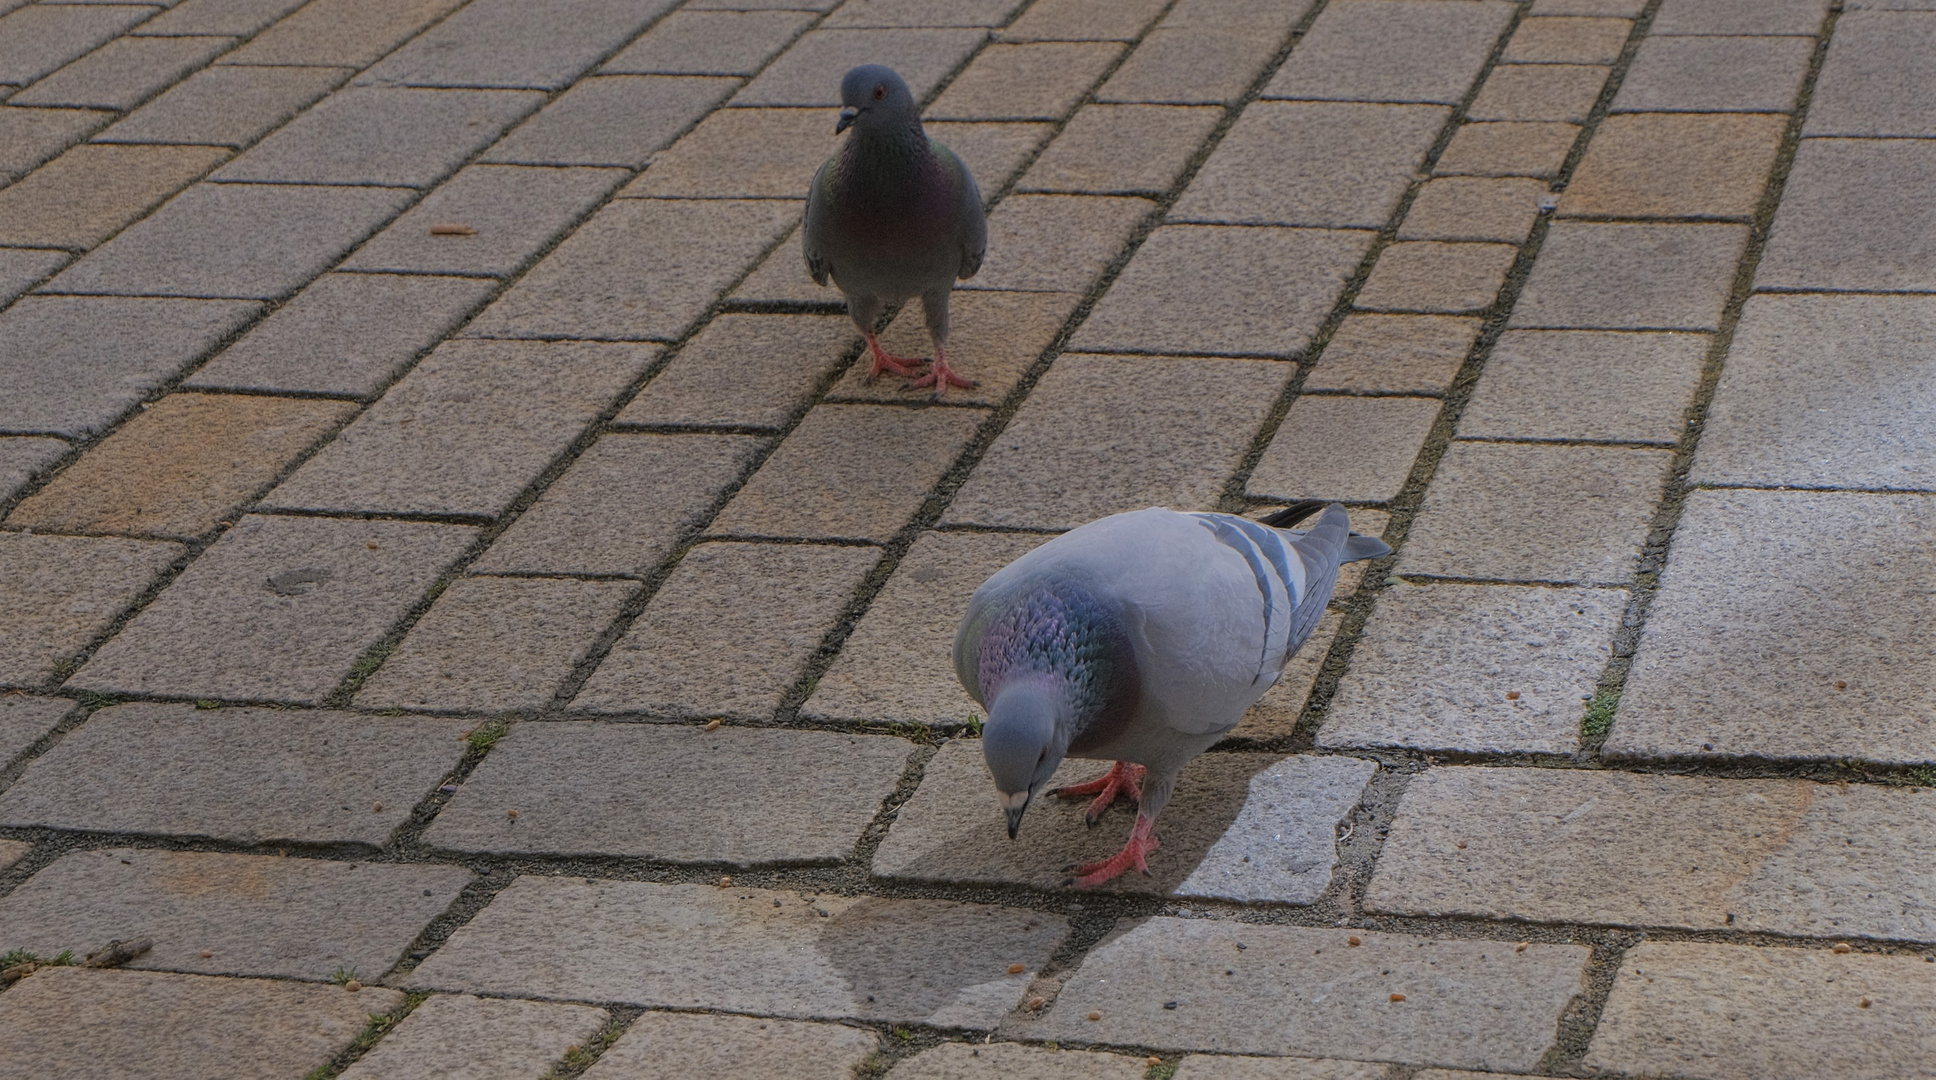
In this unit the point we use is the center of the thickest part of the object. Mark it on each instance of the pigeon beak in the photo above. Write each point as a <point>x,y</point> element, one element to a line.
<point>1013,806</point>
<point>847,117</point>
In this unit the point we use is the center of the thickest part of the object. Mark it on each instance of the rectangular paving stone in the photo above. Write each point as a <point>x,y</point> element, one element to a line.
<point>994,338</point>
<point>1866,618</point>
<point>1222,1067</point>
<point>808,72</point>
<point>701,946</point>
<point>346,33</point>
<point>1741,16</point>
<point>676,794</point>
<point>993,151</point>
<point>461,1036</point>
<point>761,5</point>
<point>226,105</point>
<point>31,136</point>
<point>640,269</point>
<point>510,43</point>
<point>1535,92</point>
<point>1033,81</point>
<point>734,1046</point>
<point>345,334</point>
<point>1609,276</point>
<point>180,465</point>
<point>1392,50</point>
<point>89,193</point>
<point>1194,65</point>
<point>382,135</point>
<point>170,1023</point>
<point>494,644</point>
<point>1622,9</point>
<point>1353,449</point>
<point>245,776</point>
<point>623,505</point>
<point>752,371</point>
<point>923,13</point>
<point>996,1061</point>
<point>516,212</point>
<point>1718,74</point>
<point>689,655</point>
<point>1435,664</point>
<point>1855,215</point>
<point>1731,1013</point>
<point>1435,276</point>
<point>1473,208</point>
<point>1632,849</point>
<point>239,18</point>
<point>742,153</point>
<point>38,38</point>
<point>1054,243</point>
<point>1507,149</point>
<point>471,426</point>
<point>278,609</point>
<point>23,268</point>
<point>58,592</point>
<point>231,914</point>
<point>1224,289</point>
<point>843,448</point>
<point>1084,20</point>
<point>1276,714</point>
<point>1139,149</point>
<point>252,241</point>
<point>1401,354</point>
<point>1588,384</point>
<point>709,43</point>
<point>1655,165</point>
<point>1302,990</point>
<point>24,459</point>
<point>1052,468</point>
<point>1546,39</point>
<point>23,720</point>
<point>1337,164</point>
<point>617,120</point>
<point>124,72</point>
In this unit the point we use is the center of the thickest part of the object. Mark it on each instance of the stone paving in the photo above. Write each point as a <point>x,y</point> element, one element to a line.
<point>459,598</point>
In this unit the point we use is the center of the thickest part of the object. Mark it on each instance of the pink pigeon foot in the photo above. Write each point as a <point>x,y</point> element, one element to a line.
<point>1142,841</point>
<point>886,361</point>
<point>1122,778</point>
<point>941,376</point>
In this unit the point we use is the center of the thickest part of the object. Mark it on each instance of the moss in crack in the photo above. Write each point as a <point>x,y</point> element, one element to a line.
<point>486,735</point>
<point>1599,714</point>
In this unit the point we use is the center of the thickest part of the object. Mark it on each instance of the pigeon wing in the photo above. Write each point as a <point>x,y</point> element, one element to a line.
<point>812,233</point>
<point>972,231</point>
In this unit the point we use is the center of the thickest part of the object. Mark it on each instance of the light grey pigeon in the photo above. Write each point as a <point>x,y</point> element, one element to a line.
<point>891,216</point>
<point>1141,638</point>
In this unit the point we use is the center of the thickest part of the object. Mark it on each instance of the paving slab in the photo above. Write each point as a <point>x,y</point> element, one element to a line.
<point>1855,215</point>
<point>1731,1013</point>
<point>23,268</point>
<point>1539,92</point>
<point>1194,65</point>
<point>994,151</point>
<point>882,460</point>
<point>742,153</point>
<point>1033,81</point>
<point>1301,990</point>
<point>673,794</point>
<point>616,120</point>
<point>382,135</point>
<point>709,43</point>
<point>750,371</point>
<point>1057,243</point>
<point>40,38</point>
<point>344,33</point>
<point>748,950</point>
<point>1220,1067</point>
<point>468,430</point>
<point>1620,9</point>
<point>245,776</point>
<point>1617,276</point>
<point>1416,354</point>
<point>1864,616</point>
<point>1013,1061</point>
<point>1084,20</point>
<point>923,13</point>
<point>1105,434</point>
<point>1546,39</point>
<point>346,334</point>
<point>509,43</point>
<point>460,1037</point>
<point>761,5</point>
<point>1715,74</point>
<point>1741,16</point>
<point>808,73</point>
<point>239,18</point>
<point>1435,276</point>
<point>181,464</point>
<point>1656,165</point>
<point>494,644</point>
<point>515,212</point>
<point>640,269</point>
<point>1354,449</point>
<point>1258,16</point>
<point>1826,391</point>
<point>90,192</point>
<point>23,459</point>
<point>994,338</point>
<point>1276,714</point>
<point>277,609</point>
<point>1436,663</point>
<point>723,1046</point>
<point>1473,208</point>
<point>230,914</point>
<point>687,655</point>
<point>59,592</point>
<point>31,136</point>
<point>1508,149</point>
<point>1392,50</point>
<point>1225,289</point>
<point>69,1023</point>
<point>124,72</point>
<point>23,720</point>
<point>226,105</point>
<point>1878,76</point>
<point>1587,384</point>
<point>1132,149</point>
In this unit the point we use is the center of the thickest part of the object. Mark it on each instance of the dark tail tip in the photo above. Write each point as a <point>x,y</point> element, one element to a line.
<point>1289,516</point>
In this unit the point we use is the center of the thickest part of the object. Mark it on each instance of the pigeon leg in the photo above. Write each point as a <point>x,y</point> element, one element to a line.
<point>886,361</point>
<point>1122,778</point>
<point>1142,841</point>
<point>941,376</point>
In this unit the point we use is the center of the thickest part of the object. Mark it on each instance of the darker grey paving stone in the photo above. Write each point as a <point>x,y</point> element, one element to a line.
<point>247,776</point>
<point>511,43</point>
<point>709,43</point>
<point>278,609</point>
<point>808,73</point>
<point>1856,215</point>
<point>1193,65</point>
<point>677,794</point>
<point>38,38</point>
<point>345,334</point>
<point>1824,597</point>
<point>381,135</point>
<point>23,720</point>
<point>1588,384</point>
<point>226,105</point>
<point>343,33</point>
<point>1593,276</point>
<point>73,1023</point>
<point>456,1035</point>
<point>1716,74</point>
<point>1122,148</point>
<point>123,73</point>
<point>236,17</point>
<point>24,459</point>
<point>617,120</point>
<point>1742,17</point>
<point>1392,50</point>
<point>261,241</point>
<point>230,914</point>
<point>471,426</point>
<point>923,13</point>
<point>31,136</point>
<point>623,505</point>
<point>516,212</point>
<point>57,593</point>
<point>751,371</point>
<point>23,268</point>
<point>735,1045</point>
<point>701,946</point>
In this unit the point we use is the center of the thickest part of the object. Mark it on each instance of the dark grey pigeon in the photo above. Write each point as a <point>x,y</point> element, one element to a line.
<point>893,215</point>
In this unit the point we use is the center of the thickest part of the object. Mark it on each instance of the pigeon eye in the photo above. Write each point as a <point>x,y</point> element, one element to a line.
<point>880,92</point>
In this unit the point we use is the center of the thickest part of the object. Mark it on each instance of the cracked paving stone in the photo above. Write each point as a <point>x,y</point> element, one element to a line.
<point>1588,384</point>
<point>123,73</point>
<point>1353,449</point>
<point>1877,78</point>
<point>91,192</point>
<point>1135,149</point>
<point>1539,92</point>
<point>1856,215</point>
<point>516,211</point>
<point>511,43</point>
<point>806,74</point>
<point>1500,209</point>
<point>745,371</point>
<point>1400,354</point>
<point>1012,1061</point>
<point>726,1046</point>
<point>348,33</point>
<point>1434,276</point>
<point>460,1037</point>
<point>58,592</point>
<point>38,38</point>
<point>1050,243</point>
<point>617,120</point>
<point>1033,81</point>
<point>709,43</point>
<point>381,135</point>
<point>1604,276</point>
<point>1688,165</point>
<point>993,338</point>
<point>226,105</point>
<point>23,720</point>
<point>1392,50</point>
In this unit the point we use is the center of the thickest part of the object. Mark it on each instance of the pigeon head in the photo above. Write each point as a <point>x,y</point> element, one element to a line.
<point>1021,744</point>
<point>874,98</point>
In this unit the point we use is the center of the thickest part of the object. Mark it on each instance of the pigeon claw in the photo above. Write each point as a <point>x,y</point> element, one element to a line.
<point>1135,854</point>
<point>941,377</point>
<point>1122,778</point>
<point>884,361</point>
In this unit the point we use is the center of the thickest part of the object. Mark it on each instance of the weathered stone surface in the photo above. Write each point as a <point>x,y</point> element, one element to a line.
<point>38,38</point>
<point>1655,165</point>
<point>1545,39</point>
<point>1079,448</point>
<point>181,464</point>
<point>278,609</point>
<point>993,338</point>
<point>1194,65</point>
<point>622,506</point>
<point>1298,990</point>
<point>1855,216</point>
<point>1434,276</point>
<point>491,644</point>
<point>23,720</point>
<point>1473,208</point>
<point>1536,92</point>
<point>89,193</point>
<point>459,1037</point>
<point>58,592</point>
<point>349,33</point>
<point>24,459</point>
<point>1221,1067</point>
<point>1742,16</point>
<point>70,1023</point>
<point>226,105</point>
<point>1848,585</point>
<point>1877,79</point>
<point>1084,20</point>
<point>471,426</point>
<point>123,73</point>
<point>1122,148</point>
<point>1587,384</point>
<point>1034,81</point>
<point>1398,50</point>
<point>1218,289</point>
<point>230,914</point>
<point>31,136</point>
<point>1435,664</point>
<point>512,43</point>
<point>12,851</point>
<point>1051,243</point>
<point>709,43</point>
<point>239,18</point>
<point>725,1046</point>
<point>1715,74</point>
<point>382,135</point>
<point>842,448</point>
<point>748,950</point>
<point>923,13</point>
<point>1508,149</point>
<point>1355,449</point>
<point>517,213</point>
<point>742,153</point>
<point>1416,354</point>
<point>808,72</point>
<point>619,120</point>
<point>247,776</point>
<point>1012,1061</point>
<point>23,268</point>
<point>1594,276</point>
<point>761,5</point>
<point>677,794</point>
<point>689,655</point>
<point>1732,1013</point>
